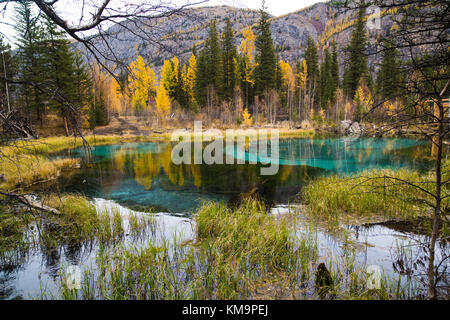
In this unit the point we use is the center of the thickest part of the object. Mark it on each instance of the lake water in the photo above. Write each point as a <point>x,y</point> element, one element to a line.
<point>143,175</point>
<point>137,176</point>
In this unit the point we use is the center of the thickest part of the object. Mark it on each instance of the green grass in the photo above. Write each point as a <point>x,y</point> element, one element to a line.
<point>237,253</point>
<point>25,170</point>
<point>244,253</point>
<point>370,194</point>
<point>79,221</point>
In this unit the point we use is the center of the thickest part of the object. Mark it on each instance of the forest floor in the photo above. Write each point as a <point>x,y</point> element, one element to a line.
<point>133,126</point>
<point>121,126</point>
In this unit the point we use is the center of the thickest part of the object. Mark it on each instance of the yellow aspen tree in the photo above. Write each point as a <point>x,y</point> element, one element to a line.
<point>247,48</point>
<point>191,78</point>
<point>247,120</point>
<point>142,82</point>
<point>162,102</point>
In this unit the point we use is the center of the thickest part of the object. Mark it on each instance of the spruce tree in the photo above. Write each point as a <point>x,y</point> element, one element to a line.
<point>83,84</point>
<point>202,78</point>
<point>209,70</point>
<point>311,58</point>
<point>265,58</point>
<point>29,55</point>
<point>58,62</point>
<point>326,81</point>
<point>356,59</point>
<point>388,77</point>
<point>335,66</point>
<point>229,62</point>
<point>213,57</point>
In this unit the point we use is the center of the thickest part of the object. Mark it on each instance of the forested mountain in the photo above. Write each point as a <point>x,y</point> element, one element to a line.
<point>176,35</point>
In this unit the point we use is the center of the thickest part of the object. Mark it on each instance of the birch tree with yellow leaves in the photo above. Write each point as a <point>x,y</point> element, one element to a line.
<point>190,83</point>
<point>247,49</point>
<point>142,82</point>
<point>162,103</point>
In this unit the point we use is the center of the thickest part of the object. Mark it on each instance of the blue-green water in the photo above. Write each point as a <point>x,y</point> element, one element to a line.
<point>143,175</point>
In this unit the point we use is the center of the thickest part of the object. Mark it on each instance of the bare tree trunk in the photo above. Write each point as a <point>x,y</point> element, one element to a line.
<point>438,143</point>
<point>437,210</point>
<point>66,128</point>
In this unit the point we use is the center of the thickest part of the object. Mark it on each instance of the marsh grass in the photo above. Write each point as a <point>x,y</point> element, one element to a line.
<point>242,253</point>
<point>378,193</point>
<point>79,221</point>
<point>350,282</point>
<point>25,170</point>
<point>236,253</point>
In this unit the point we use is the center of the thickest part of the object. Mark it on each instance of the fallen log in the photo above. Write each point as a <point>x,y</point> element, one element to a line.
<point>30,202</point>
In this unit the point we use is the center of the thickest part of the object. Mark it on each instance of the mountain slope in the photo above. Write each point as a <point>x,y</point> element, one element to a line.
<point>176,35</point>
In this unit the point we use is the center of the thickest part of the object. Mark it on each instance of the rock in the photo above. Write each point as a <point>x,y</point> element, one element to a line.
<point>323,281</point>
<point>352,128</point>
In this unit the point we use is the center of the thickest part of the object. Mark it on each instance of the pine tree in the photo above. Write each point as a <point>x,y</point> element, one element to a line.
<point>312,64</point>
<point>229,62</point>
<point>356,59</point>
<point>59,64</point>
<point>98,113</point>
<point>266,60</point>
<point>327,86</point>
<point>29,55</point>
<point>202,79</point>
<point>181,94</point>
<point>209,69</point>
<point>311,58</point>
<point>335,66</point>
<point>170,77</point>
<point>388,77</point>
<point>83,83</point>
<point>214,62</point>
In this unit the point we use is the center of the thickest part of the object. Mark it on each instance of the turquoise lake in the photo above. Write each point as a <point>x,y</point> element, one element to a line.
<point>142,175</point>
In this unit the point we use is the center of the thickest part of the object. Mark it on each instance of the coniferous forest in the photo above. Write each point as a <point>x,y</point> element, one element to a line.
<point>222,79</point>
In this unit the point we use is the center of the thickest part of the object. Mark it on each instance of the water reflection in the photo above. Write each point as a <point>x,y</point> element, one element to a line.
<point>143,175</point>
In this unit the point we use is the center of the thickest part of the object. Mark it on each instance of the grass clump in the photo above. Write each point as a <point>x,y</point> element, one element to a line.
<point>79,221</point>
<point>25,170</point>
<point>241,253</point>
<point>374,193</point>
<point>249,236</point>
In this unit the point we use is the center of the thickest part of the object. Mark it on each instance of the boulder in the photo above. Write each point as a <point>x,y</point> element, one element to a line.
<point>352,128</point>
